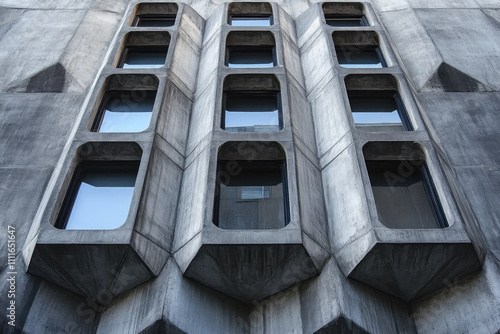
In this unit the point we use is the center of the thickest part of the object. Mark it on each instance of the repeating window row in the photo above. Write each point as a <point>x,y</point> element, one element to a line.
<point>253,193</point>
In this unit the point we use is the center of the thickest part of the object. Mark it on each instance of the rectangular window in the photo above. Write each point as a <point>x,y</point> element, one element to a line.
<point>99,196</point>
<point>251,21</point>
<point>144,57</point>
<point>378,108</point>
<point>250,57</point>
<point>404,194</point>
<point>151,20</point>
<point>252,111</point>
<point>255,198</point>
<point>125,111</point>
<point>359,56</point>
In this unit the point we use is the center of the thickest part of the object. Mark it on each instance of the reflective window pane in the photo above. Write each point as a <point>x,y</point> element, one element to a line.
<point>403,195</point>
<point>250,58</point>
<point>359,57</point>
<point>251,21</point>
<point>378,108</point>
<point>252,112</point>
<point>126,111</point>
<point>102,200</point>
<point>144,58</point>
<point>253,199</point>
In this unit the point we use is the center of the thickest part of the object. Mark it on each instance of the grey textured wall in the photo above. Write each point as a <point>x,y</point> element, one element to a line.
<point>446,56</point>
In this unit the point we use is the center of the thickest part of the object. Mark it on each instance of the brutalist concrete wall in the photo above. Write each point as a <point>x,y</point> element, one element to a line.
<point>449,53</point>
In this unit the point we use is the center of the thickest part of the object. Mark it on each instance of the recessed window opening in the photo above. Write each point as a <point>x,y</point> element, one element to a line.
<point>125,111</point>
<point>126,104</point>
<point>360,56</point>
<point>252,111</point>
<point>250,14</point>
<point>250,57</point>
<point>374,107</point>
<point>250,50</point>
<point>358,49</point>
<point>245,110</point>
<point>378,108</point>
<point>144,50</point>
<point>99,196</point>
<point>404,193</point>
<point>155,15</point>
<point>144,57</point>
<point>346,14</point>
<point>251,194</point>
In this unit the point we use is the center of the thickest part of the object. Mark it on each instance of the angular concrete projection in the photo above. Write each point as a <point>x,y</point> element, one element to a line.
<point>166,311</point>
<point>199,253</point>
<point>44,43</point>
<point>187,42</point>
<point>126,256</point>
<point>417,50</point>
<point>465,46</point>
<point>371,253</point>
<point>136,251</point>
<point>449,79</point>
<point>330,303</point>
<point>252,264</point>
<point>53,79</point>
<point>453,308</point>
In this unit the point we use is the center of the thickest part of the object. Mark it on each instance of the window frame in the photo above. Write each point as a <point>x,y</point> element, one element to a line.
<point>107,96</point>
<point>144,48</point>
<point>376,48</point>
<point>256,92</point>
<point>249,47</point>
<point>76,180</point>
<point>402,111</point>
<point>428,185</point>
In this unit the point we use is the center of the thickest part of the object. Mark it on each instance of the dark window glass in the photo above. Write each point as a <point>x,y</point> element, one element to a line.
<point>154,21</point>
<point>251,21</point>
<point>125,111</point>
<point>251,57</point>
<point>99,197</point>
<point>339,21</point>
<point>378,108</point>
<point>360,56</point>
<point>144,57</point>
<point>255,198</point>
<point>252,112</point>
<point>404,194</point>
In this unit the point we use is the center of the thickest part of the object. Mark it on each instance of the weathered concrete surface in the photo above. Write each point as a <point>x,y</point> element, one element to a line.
<point>468,306</point>
<point>472,151</point>
<point>441,46</point>
<point>472,49</point>
<point>181,305</point>
<point>138,250</point>
<point>330,303</point>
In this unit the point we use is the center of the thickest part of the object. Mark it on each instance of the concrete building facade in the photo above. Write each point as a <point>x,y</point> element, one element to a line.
<point>250,167</point>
